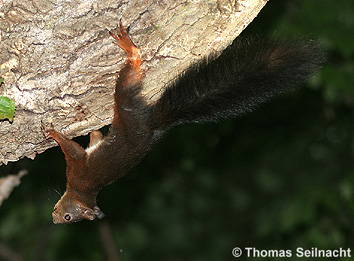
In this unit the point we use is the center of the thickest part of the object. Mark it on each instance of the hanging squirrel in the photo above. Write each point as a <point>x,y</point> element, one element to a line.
<point>248,73</point>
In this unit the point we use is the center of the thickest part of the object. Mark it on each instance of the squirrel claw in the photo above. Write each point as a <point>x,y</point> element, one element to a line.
<point>125,43</point>
<point>47,131</point>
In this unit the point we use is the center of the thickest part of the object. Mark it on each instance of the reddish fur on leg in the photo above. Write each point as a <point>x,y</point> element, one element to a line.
<point>70,148</point>
<point>95,137</point>
<point>130,74</point>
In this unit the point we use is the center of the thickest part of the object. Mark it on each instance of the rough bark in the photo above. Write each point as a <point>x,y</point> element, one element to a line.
<point>59,63</point>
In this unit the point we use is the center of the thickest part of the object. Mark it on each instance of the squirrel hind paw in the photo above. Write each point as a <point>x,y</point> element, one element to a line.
<point>125,43</point>
<point>122,38</point>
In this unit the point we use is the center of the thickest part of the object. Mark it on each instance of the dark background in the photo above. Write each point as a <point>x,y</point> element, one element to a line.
<point>278,178</point>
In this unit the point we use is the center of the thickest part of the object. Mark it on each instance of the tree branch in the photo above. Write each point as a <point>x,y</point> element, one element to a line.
<point>59,63</point>
<point>8,183</point>
<point>8,254</point>
<point>108,243</point>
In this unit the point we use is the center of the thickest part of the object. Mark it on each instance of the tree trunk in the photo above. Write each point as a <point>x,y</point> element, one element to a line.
<point>59,63</point>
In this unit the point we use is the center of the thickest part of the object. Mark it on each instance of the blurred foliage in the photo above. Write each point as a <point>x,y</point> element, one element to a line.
<point>278,178</point>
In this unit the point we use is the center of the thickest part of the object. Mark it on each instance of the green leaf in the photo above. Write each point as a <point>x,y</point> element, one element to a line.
<point>1,80</point>
<point>7,108</point>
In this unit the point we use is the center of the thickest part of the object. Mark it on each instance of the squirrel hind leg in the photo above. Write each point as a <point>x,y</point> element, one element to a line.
<point>128,100</point>
<point>125,43</point>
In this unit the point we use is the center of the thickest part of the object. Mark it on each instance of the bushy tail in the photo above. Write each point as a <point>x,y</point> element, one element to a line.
<point>248,73</point>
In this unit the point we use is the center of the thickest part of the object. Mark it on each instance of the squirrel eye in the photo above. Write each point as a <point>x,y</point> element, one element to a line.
<point>67,217</point>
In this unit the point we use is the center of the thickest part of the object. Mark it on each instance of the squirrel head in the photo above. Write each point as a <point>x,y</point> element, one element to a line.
<point>70,209</point>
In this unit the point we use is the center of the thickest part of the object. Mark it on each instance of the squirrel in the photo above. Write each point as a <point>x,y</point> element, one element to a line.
<point>249,72</point>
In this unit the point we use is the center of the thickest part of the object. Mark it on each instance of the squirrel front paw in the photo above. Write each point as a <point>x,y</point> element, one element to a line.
<point>99,214</point>
<point>48,131</point>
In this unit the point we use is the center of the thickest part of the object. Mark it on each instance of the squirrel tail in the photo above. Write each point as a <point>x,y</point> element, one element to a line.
<point>249,72</point>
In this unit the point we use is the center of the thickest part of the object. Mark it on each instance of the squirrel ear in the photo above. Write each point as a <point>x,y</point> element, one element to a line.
<point>88,213</point>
